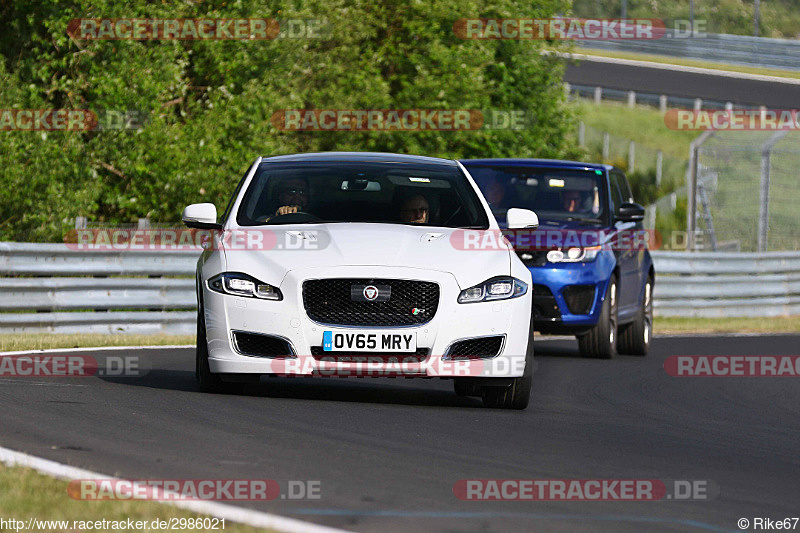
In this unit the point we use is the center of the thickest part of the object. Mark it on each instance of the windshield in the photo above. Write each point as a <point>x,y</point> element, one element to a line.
<point>551,193</point>
<point>335,191</point>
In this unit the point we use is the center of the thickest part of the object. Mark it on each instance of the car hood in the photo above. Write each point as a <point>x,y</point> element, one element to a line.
<point>320,246</point>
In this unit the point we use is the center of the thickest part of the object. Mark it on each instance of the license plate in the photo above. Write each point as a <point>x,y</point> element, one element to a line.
<point>372,341</point>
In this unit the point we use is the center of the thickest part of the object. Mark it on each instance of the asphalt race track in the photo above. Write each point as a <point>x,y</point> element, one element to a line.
<point>388,452</point>
<point>686,84</point>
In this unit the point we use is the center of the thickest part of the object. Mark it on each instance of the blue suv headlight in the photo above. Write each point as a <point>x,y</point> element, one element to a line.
<point>574,255</point>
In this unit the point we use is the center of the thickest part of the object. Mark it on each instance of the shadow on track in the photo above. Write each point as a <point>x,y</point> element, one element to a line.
<point>430,392</point>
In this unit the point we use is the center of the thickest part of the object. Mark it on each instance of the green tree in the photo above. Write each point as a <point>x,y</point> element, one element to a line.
<point>208,103</point>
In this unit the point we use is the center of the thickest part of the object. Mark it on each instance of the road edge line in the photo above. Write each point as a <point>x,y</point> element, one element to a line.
<point>218,510</point>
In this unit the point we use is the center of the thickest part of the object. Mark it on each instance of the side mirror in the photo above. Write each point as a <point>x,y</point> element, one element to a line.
<point>201,216</point>
<point>630,212</point>
<point>521,219</point>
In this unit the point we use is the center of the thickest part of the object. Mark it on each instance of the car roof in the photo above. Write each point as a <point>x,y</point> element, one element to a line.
<point>546,163</point>
<point>372,157</point>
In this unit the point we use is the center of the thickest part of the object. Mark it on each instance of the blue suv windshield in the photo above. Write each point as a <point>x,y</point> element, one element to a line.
<point>556,194</point>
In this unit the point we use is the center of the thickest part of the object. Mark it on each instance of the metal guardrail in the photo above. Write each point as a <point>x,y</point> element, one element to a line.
<point>51,288</point>
<point>719,284</point>
<point>63,290</point>
<point>716,47</point>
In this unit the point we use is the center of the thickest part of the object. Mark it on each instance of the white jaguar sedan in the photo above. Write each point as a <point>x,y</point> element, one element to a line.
<point>363,264</point>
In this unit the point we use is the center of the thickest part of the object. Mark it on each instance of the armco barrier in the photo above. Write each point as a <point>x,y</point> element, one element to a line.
<point>50,288</point>
<point>714,47</point>
<point>716,284</point>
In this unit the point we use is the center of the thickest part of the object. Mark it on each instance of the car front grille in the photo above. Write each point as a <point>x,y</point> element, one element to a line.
<point>328,301</point>
<point>478,348</point>
<point>259,345</point>
<point>545,306</point>
<point>579,298</point>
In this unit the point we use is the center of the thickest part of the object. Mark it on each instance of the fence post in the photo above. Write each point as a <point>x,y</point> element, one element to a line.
<point>691,188</point>
<point>763,210</point>
<point>598,95</point>
<point>80,222</point>
<point>659,167</point>
<point>698,104</point>
<point>567,90</point>
<point>631,98</point>
<point>143,223</point>
<point>662,103</point>
<point>581,134</point>
<point>631,157</point>
<point>605,146</point>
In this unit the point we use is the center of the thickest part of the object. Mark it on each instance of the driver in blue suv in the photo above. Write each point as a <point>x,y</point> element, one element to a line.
<point>596,284</point>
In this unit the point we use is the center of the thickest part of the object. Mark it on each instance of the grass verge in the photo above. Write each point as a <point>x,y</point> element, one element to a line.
<point>24,494</point>
<point>690,63</point>
<point>782,324</point>
<point>643,124</point>
<point>32,341</point>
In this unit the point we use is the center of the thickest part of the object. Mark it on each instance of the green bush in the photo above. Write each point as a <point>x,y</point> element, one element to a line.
<point>209,103</point>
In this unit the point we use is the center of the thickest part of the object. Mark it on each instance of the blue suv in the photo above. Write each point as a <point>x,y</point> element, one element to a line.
<point>592,271</point>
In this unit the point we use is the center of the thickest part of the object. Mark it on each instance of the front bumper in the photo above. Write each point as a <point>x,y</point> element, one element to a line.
<point>552,312</point>
<point>287,319</point>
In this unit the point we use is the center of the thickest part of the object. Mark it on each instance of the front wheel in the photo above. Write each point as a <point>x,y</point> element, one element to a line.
<point>634,339</point>
<point>518,394</point>
<point>601,341</point>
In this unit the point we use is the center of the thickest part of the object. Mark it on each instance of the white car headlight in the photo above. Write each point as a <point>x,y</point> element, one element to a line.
<point>574,255</point>
<point>238,284</point>
<point>501,288</point>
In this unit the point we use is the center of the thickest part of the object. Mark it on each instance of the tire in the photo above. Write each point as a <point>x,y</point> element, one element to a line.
<point>601,341</point>
<point>208,382</point>
<point>518,394</point>
<point>634,338</point>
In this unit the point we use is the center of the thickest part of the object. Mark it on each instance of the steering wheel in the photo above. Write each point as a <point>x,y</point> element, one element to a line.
<point>451,217</point>
<point>297,217</point>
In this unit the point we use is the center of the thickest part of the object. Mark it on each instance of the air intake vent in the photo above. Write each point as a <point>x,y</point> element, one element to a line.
<point>478,348</point>
<point>259,345</point>
<point>579,298</point>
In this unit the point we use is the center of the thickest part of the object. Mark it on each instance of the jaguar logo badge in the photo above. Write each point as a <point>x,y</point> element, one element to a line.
<point>371,293</point>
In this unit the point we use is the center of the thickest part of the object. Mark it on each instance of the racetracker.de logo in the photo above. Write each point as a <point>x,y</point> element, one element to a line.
<point>733,119</point>
<point>378,119</point>
<point>732,366</point>
<point>192,240</point>
<point>47,120</point>
<point>542,240</point>
<point>583,489</point>
<point>93,29</point>
<point>72,365</point>
<point>173,489</point>
<point>559,29</point>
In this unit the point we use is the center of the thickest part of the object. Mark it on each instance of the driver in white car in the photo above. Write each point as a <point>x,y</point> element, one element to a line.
<point>292,196</point>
